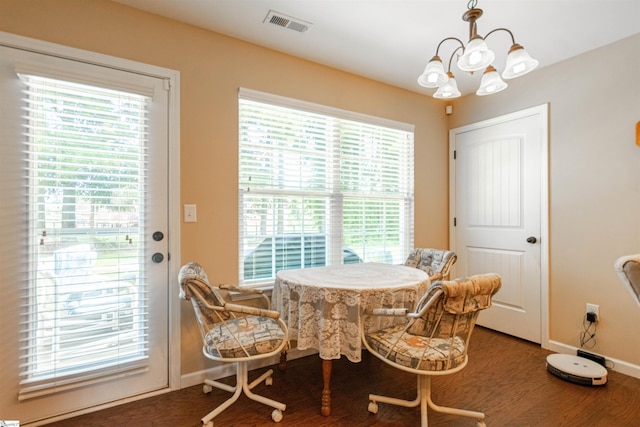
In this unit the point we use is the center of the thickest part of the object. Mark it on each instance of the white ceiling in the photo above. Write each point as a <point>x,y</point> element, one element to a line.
<point>391,41</point>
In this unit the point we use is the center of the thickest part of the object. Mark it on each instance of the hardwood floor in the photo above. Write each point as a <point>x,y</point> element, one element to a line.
<point>506,378</point>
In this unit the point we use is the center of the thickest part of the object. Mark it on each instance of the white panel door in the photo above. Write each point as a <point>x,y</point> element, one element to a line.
<point>497,199</point>
<point>88,284</point>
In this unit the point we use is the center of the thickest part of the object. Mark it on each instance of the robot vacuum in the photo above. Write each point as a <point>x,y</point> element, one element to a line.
<point>576,369</point>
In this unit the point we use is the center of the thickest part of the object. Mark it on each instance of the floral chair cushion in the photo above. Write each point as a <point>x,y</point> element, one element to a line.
<point>468,294</point>
<point>418,352</point>
<point>435,262</point>
<point>243,337</point>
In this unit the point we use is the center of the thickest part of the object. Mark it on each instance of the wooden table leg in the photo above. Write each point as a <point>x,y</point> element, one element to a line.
<point>326,389</point>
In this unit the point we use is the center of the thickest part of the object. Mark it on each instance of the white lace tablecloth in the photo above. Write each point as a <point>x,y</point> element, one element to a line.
<point>322,306</point>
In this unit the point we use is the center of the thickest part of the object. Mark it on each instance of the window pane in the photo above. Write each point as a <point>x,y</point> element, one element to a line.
<point>283,233</point>
<point>85,305</point>
<point>283,149</point>
<point>373,160</point>
<point>318,189</point>
<point>374,228</point>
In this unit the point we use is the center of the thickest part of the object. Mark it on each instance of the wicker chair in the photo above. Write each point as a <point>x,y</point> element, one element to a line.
<point>436,262</point>
<point>233,333</point>
<point>628,269</point>
<point>433,340</point>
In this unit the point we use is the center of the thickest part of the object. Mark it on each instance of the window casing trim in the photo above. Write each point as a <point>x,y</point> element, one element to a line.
<point>284,101</point>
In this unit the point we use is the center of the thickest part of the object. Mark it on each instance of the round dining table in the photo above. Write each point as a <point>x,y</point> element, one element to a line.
<point>323,306</point>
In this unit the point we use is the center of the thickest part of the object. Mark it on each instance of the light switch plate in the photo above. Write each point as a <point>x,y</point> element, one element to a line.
<point>190,214</point>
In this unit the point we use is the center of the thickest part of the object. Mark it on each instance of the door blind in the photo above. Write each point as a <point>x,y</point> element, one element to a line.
<point>84,301</point>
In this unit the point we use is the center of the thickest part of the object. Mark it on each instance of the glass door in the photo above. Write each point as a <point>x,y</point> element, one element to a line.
<point>84,171</point>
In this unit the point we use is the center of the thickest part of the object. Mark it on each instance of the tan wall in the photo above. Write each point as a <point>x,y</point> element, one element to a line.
<point>212,69</point>
<point>594,165</point>
<point>594,176</point>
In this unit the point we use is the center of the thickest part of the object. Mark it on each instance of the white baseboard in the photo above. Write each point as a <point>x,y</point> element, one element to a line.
<point>223,370</point>
<point>613,364</point>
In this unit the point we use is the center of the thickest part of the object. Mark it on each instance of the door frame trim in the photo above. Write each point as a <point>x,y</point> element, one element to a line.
<point>172,79</point>
<point>542,111</point>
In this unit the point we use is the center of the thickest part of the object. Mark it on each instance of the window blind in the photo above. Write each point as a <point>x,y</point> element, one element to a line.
<point>84,303</point>
<point>320,186</point>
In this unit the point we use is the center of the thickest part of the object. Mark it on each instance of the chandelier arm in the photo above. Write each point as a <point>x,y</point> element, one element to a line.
<point>452,55</point>
<point>449,38</point>
<point>513,40</point>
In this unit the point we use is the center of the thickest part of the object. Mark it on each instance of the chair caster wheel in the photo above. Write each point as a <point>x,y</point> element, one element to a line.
<point>268,381</point>
<point>276,415</point>
<point>373,407</point>
<point>206,389</point>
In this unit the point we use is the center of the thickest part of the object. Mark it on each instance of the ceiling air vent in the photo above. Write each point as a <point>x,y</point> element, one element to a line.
<point>284,21</point>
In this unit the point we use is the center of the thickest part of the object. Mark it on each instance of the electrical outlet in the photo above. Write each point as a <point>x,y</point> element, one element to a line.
<point>594,308</point>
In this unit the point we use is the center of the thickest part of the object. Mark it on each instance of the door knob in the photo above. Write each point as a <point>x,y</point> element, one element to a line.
<point>531,240</point>
<point>157,257</point>
<point>158,236</point>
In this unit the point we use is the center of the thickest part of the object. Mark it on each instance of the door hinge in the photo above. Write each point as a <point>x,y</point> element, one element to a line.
<point>455,221</point>
<point>455,154</point>
<point>167,84</point>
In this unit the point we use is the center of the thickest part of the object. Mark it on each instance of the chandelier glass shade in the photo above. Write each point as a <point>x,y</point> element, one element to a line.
<point>448,89</point>
<point>434,74</point>
<point>491,82</point>
<point>518,63</point>
<point>476,56</point>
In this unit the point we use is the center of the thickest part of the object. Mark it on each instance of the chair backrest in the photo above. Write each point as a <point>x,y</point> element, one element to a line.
<point>628,269</point>
<point>436,262</point>
<point>195,287</point>
<point>448,312</point>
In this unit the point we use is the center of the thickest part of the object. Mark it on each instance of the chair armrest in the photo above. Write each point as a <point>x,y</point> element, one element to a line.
<point>425,303</point>
<point>240,290</point>
<point>256,292</point>
<point>243,309</point>
<point>435,277</point>
<point>236,308</point>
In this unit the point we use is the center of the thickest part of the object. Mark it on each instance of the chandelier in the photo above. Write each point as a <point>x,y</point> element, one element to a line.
<point>475,56</point>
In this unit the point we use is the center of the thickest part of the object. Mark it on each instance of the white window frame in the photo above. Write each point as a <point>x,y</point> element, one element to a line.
<point>336,197</point>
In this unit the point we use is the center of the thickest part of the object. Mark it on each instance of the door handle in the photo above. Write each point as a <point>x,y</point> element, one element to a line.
<point>531,240</point>
<point>157,257</point>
